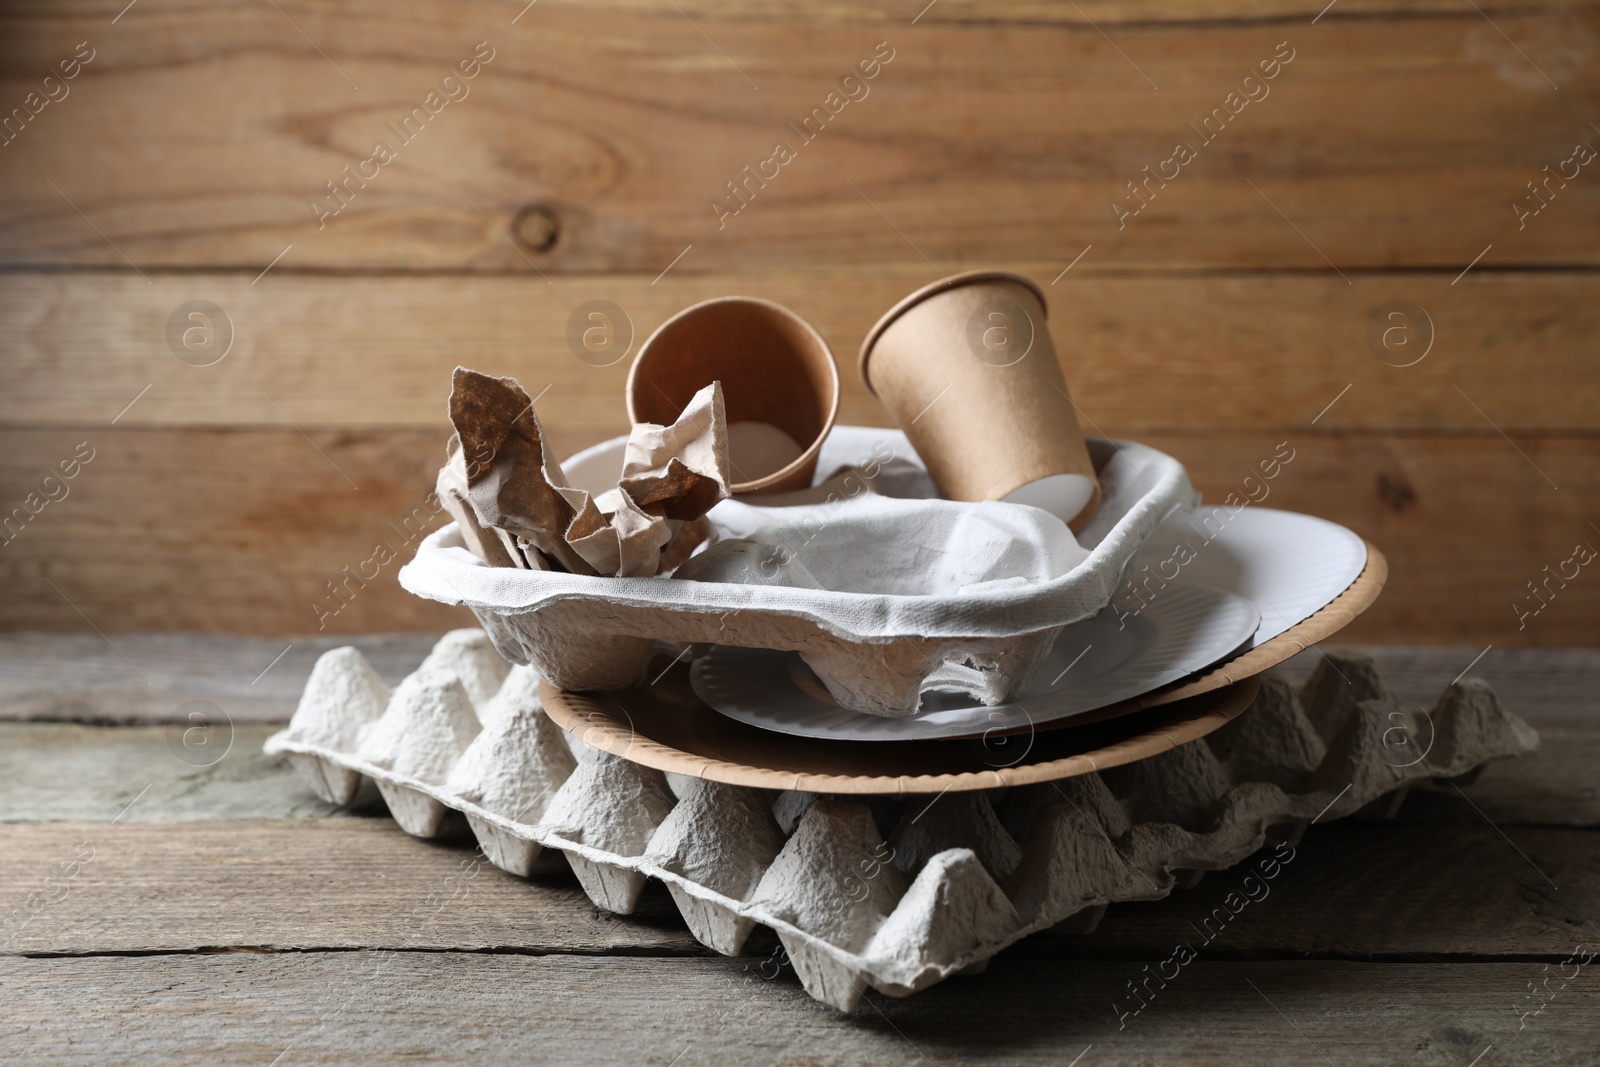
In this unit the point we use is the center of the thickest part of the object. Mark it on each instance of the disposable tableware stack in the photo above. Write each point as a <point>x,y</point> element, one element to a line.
<point>903,696</point>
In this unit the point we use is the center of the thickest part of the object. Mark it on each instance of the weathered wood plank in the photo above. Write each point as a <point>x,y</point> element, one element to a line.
<point>1356,890</point>
<point>1556,786</point>
<point>200,136</point>
<point>249,538</point>
<point>81,678</point>
<point>260,523</point>
<point>1099,12</point>
<point>449,1008</point>
<point>205,768</point>
<point>296,883</point>
<point>1187,352</point>
<point>212,768</point>
<point>986,12</point>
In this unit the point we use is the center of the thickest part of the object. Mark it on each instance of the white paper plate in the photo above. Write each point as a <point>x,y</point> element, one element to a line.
<point>1117,654</point>
<point>1290,566</point>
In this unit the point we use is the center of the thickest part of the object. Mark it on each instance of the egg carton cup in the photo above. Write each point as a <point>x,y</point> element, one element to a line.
<point>875,652</point>
<point>894,893</point>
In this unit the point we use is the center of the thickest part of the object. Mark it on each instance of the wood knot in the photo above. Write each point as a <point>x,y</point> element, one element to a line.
<point>1395,492</point>
<point>537,227</point>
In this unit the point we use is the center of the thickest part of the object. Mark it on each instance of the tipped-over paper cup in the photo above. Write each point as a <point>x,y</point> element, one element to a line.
<point>967,368</point>
<point>780,385</point>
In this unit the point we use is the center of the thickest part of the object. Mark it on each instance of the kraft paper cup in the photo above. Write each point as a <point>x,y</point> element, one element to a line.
<point>967,368</point>
<point>780,385</point>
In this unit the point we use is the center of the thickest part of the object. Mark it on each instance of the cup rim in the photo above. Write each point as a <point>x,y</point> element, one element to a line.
<point>933,289</point>
<point>806,457</point>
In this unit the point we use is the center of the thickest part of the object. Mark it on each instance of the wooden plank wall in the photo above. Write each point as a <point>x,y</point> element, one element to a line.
<point>581,163</point>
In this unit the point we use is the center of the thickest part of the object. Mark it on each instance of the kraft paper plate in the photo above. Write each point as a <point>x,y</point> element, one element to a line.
<point>667,727</point>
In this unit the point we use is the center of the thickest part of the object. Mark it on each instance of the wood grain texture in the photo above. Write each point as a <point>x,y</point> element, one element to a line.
<point>1086,12</point>
<point>1427,892</point>
<point>1243,351</point>
<point>1556,786</point>
<point>1220,320</point>
<point>1420,893</point>
<point>205,768</point>
<point>283,884</point>
<point>1029,12</point>
<point>283,515</point>
<point>200,134</point>
<point>449,1008</point>
<point>84,679</point>
<point>263,520</point>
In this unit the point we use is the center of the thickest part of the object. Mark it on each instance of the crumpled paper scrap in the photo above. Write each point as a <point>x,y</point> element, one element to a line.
<point>495,547</point>
<point>522,505</point>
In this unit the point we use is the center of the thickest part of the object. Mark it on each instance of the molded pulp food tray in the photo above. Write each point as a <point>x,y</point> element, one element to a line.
<point>874,652</point>
<point>893,892</point>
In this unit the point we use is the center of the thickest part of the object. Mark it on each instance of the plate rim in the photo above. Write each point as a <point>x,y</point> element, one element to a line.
<point>1256,514</point>
<point>1321,624</point>
<point>1185,721</point>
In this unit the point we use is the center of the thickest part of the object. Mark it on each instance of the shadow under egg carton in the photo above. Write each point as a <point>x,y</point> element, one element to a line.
<point>892,892</point>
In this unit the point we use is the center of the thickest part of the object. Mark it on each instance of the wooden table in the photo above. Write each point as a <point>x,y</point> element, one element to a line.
<point>1259,302</point>
<point>159,909</point>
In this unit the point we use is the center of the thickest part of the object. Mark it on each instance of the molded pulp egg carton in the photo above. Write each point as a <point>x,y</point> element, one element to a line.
<point>893,892</point>
<point>874,652</point>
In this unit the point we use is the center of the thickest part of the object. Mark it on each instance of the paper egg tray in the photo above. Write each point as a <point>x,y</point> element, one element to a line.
<point>891,892</point>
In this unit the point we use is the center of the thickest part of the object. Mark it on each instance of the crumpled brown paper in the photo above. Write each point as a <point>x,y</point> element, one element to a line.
<point>523,505</point>
<point>495,547</point>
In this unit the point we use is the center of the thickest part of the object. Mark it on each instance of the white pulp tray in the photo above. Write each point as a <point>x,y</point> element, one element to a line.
<point>892,893</point>
<point>1201,577</point>
<point>1114,656</point>
<point>874,652</point>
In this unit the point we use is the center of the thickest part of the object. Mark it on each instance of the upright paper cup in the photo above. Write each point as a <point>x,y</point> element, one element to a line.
<point>967,368</point>
<point>780,385</point>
